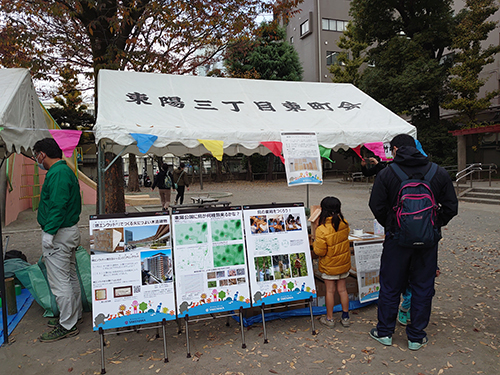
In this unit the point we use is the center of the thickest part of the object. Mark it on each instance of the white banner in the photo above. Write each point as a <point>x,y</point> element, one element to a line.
<point>367,254</point>
<point>302,159</point>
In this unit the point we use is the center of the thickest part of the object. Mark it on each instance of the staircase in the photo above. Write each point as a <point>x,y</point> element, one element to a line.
<point>487,195</point>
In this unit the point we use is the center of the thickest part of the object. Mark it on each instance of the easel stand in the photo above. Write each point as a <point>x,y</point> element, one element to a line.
<point>273,307</point>
<point>213,316</point>
<point>135,329</point>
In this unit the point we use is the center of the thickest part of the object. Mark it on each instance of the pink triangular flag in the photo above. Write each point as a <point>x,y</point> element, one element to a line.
<point>378,149</point>
<point>66,139</point>
<point>276,148</point>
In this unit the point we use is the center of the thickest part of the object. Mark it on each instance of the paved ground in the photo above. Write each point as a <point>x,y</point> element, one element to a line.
<point>463,331</point>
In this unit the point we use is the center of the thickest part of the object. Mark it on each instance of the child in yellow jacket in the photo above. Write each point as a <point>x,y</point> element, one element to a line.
<point>331,245</point>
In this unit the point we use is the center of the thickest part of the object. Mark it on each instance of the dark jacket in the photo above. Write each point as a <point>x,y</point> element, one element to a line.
<point>159,180</point>
<point>386,187</point>
<point>180,178</point>
<point>368,172</point>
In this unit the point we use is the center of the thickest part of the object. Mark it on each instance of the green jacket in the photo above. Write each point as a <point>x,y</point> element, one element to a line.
<point>60,201</point>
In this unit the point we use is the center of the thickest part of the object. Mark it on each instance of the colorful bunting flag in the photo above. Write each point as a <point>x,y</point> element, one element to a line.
<point>419,147</point>
<point>66,139</point>
<point>276,148</point>
<point>357,150</point>
<point>144,141</point>
<point>325,152</point>
<point>215,147</point>
<point>378,149</point>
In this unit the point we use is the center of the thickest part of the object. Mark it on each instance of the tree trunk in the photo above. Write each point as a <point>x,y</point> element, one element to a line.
<point>114,191</point>
<point>133,174</point>
<point>249,169</point>
<point>218,176</point>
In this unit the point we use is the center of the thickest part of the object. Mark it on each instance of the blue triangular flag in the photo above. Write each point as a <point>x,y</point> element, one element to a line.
<point>419,147</point>
<point>144,141</point>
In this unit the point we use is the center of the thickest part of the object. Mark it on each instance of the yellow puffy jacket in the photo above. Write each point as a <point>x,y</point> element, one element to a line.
<point>332,247</point>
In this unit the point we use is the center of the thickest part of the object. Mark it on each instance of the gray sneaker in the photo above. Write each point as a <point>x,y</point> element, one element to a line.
<point>329,323</point>
<point>415,345</point>
<point>346,322</point>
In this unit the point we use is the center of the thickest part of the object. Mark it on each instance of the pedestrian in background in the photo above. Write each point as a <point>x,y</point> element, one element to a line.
<point>182,181</point>
<point>164,181</point>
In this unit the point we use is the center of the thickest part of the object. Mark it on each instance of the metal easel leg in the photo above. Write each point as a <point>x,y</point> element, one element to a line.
<point>163,325</point>
<point>264,322</point>
<point>312,316</point>
<point>101,334</point>
<point>187,337</point>
<point>243,345</point>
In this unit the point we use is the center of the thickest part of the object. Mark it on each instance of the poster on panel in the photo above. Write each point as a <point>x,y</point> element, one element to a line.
<point>302,158</point>
<point>279,257</point>
<point>367,255</point>
<point>210,261</point>
<point>132,269</point>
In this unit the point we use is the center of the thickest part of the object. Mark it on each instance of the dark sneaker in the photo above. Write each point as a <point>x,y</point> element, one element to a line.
<point>58,333</point>
<point>403,317</point>
<point>415,345</point>
<point>386,340</point>
<point>329,323</point>
<point>54,322</point>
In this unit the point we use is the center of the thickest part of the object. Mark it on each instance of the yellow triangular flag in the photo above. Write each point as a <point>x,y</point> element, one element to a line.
<point>215,147</point>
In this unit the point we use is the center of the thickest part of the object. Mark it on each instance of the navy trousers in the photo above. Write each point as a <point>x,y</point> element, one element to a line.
<point>399,266</point>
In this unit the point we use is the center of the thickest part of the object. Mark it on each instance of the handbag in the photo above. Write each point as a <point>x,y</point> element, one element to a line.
<point>176,183</point>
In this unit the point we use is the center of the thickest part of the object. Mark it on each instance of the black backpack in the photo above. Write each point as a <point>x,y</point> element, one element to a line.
<point>416,210</point>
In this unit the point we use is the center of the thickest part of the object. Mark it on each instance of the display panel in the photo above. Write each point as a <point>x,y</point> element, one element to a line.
<point>279,258</point>
<point>132,270</point>
<point>210,261</point>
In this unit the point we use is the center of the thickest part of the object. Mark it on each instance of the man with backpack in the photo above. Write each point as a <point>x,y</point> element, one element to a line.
<point>412,198</point>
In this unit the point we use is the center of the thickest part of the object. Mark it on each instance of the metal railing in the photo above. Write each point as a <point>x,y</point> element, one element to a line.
<point>476,167</point>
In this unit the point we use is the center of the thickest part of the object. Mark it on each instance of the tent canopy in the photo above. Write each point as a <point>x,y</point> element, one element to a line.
<point>21,115</point>
<point>181,110</point>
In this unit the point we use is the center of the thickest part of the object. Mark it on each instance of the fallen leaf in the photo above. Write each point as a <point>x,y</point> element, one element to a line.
<point>273,371</point>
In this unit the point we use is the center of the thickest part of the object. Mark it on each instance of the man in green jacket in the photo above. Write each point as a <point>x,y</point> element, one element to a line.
<point>58,215</point>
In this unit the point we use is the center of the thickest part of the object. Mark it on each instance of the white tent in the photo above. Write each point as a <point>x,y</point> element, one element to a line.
<point>181,110</point>
<point>21,115</point>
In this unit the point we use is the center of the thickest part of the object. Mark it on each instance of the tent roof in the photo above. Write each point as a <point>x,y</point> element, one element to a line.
<point>181,110</point>
<point>21,115</point>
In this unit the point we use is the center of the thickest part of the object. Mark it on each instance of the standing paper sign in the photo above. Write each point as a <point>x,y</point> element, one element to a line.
<point>132,270</point>
<point>367,255</point>
<point>279,258</point>
<point>210,261</point>
<point>302,158</point>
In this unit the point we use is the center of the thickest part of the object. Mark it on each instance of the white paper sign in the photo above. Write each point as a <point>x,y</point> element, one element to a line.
<point>367,254</point>
<point>279,258</point>
<point>302,158</point>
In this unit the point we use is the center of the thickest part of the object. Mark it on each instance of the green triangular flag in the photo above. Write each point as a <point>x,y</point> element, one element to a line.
<point>325,152</point>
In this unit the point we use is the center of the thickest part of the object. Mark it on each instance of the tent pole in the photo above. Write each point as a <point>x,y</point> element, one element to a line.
<point>4,293</point>
<point>201,172</point>
<point>100,178</point>
<point>307,196</point>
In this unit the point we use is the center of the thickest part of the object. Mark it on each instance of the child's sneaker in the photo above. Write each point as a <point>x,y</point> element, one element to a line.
<point>329,323</point>
<point>346,322</point>
<point>386,340</point>
<point>403,317</point>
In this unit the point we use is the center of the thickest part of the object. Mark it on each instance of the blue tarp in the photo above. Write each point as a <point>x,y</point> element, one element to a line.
<point>317,310</point>
<point>24,301</point>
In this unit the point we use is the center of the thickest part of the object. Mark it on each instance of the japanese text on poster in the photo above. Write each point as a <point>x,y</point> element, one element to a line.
<point>367,254</point>
<point>302,158</point>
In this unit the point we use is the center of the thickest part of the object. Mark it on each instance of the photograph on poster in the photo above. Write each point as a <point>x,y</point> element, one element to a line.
<point>275,223</point>
<point>293,223</point>
<point>281,266</point>
<point>108,240</point>
<point>263,268</point>
<point>157,267</point>
<point>258,224</point>
<point>100,294</point>
<point>148,236</point>
<point>298,262</point>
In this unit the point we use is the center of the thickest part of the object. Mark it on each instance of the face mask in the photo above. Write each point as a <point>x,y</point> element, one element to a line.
<point>40,165</point>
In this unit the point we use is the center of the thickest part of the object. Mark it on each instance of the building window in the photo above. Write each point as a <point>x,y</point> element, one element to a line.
<point>291,40</point>
<point>304,28</point>
<point>331,57</point>
<point>333,25</point>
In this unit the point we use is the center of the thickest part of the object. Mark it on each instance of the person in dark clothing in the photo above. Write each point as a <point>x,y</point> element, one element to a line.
<point>162,187</point>
<point>182,181</point>
<point>377,166</point>
<point>400,266</point>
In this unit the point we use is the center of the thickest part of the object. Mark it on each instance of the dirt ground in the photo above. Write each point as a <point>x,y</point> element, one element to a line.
<point>463,330</point>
